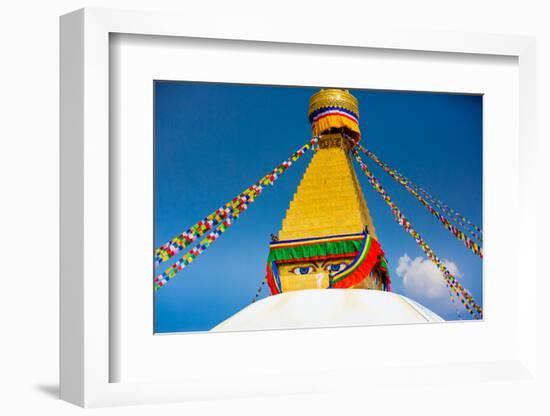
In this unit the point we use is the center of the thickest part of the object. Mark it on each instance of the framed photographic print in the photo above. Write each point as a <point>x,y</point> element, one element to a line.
<point>284,213</point>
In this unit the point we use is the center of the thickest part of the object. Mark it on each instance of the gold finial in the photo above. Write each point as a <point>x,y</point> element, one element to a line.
<point>332,97</point>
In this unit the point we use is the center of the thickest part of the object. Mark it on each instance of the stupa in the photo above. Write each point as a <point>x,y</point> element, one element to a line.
<point>328,241</point>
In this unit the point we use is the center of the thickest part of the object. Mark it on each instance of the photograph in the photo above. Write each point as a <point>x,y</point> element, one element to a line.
<point>292,207</point>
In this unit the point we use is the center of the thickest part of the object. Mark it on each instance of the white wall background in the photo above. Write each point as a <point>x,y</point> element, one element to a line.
<point>29,197</point>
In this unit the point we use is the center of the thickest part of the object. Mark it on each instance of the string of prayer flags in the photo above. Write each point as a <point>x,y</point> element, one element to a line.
<point>217,222</point>
<point>196,251</point>
<point>455,216</point>
<point>183,240</point>
<point>460,292</point>
<point>468,242</point>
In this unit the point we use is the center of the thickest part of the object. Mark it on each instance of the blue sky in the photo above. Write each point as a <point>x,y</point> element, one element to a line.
<point>213,140</point>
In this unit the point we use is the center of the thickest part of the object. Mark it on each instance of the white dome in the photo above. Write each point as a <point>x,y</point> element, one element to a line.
<point>328,308</point>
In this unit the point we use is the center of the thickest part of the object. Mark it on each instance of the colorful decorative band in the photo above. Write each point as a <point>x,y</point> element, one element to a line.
<point>273,280</point>
<point>315,247</point>
<point>371,255</point>
<point>334,118</point>
<point>315,240</point>
<point>327,111</point>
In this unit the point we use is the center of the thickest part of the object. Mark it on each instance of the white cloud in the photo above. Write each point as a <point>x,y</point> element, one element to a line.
<point>422,279</point>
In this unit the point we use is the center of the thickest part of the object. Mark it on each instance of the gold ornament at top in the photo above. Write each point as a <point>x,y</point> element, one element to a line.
<point>332,97</point>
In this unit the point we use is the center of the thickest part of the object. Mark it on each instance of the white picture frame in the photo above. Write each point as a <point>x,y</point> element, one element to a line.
<point>85,211</point>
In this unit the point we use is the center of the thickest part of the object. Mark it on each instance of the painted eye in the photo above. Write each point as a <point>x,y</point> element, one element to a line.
<point>302,270</point>
<point>336,267</point>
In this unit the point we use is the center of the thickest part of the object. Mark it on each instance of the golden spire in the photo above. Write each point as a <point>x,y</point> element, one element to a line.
<point>329,200</point>
<point>328,214</point>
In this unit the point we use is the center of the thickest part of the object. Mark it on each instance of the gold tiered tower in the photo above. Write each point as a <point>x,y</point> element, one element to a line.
<point>328,208</point>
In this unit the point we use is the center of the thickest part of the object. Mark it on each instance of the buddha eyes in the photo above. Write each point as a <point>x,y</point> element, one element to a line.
<point>333,268</point>
<point>302,270</point>
<point>336,267</point>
